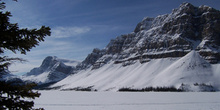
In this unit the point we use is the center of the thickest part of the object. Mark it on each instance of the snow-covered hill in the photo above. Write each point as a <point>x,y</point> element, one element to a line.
<point>191,71</point>
<point>52,69</point>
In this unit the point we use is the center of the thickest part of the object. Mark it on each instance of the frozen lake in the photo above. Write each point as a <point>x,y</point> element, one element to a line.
<point>71,100</point>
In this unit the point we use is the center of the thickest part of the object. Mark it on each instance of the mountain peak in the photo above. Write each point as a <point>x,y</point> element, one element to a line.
<point>187,8</point>
<point>49,60</point>
<point>184,8</point>
<point>52,69</point>
<point>186,5</point>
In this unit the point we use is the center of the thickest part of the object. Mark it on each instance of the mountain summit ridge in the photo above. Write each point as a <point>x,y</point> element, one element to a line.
<point>52,69</point>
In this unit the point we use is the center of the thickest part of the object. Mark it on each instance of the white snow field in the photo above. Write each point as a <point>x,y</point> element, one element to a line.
<point>72,100</point>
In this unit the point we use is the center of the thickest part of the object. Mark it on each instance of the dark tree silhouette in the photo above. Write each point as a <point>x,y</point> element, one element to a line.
<point>12,38</point>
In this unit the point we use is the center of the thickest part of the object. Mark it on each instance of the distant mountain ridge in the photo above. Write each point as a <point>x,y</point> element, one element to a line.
<point>52,69</point>
<point>180,49</point>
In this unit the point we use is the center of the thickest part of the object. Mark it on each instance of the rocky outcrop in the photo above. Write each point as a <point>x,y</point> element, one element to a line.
<point>91,59</point>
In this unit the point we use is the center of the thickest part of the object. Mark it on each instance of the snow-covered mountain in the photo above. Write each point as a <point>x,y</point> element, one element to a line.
<point>171,35</point>
<point>52,69</point>
<point>180,49</point>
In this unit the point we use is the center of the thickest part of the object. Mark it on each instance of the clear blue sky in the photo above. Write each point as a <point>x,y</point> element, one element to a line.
<point>78,26</point>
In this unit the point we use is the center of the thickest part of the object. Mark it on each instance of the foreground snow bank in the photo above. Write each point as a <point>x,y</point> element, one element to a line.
<point>70,100</point>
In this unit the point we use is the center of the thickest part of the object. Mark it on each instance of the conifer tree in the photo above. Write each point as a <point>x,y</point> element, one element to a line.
<point>12,38</point>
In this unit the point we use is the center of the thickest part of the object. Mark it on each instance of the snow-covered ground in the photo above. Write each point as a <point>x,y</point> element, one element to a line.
<point>71,100</point>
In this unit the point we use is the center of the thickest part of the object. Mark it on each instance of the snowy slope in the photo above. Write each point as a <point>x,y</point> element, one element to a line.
<point>190,69</point>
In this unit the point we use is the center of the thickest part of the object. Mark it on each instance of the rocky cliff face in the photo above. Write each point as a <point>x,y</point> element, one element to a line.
<point>171,35</point>
<point>91,59</point>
